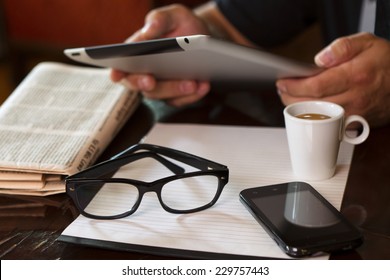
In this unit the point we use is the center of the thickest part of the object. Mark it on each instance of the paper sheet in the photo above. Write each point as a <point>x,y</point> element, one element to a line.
<point>255,157</point>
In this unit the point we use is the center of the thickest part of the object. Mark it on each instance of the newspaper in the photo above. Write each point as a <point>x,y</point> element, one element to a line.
<point>57,122</point>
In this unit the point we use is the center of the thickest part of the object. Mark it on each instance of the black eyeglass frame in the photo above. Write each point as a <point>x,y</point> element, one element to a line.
<point>107,168</point>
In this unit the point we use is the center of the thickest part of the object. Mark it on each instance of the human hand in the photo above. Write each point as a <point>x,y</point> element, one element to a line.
<point>356,76</point>
<point>169,21</point>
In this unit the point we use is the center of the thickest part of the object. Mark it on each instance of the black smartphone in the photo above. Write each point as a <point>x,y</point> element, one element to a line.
<point>300,219</point>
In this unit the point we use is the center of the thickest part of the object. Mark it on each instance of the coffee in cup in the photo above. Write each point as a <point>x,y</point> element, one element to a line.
<point>312,116</point>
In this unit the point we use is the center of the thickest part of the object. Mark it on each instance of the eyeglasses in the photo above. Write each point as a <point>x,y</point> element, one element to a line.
<point>98,195</point>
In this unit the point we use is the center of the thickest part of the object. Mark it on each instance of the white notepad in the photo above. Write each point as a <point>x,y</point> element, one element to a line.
<point>255,156</point>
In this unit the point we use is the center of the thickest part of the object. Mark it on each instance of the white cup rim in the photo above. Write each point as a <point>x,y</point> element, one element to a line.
<point>333,110</point>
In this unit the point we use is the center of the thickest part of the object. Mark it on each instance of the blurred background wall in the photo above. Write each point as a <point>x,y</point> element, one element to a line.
<point>32,31</point>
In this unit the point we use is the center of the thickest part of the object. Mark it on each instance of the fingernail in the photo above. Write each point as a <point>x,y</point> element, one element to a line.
<point>187,87</point>
<point>146,27</point>
<point>126,83</point>
<point>203,89</point>
<point>325,57</point>
<point>281,88</point>
<point>144,83</point>
<point>151,30</point>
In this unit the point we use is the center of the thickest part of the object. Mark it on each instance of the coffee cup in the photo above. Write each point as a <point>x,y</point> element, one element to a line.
<point>315,130</point>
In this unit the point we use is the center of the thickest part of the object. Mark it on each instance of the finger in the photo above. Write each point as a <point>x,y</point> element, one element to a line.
<point>343,49</point>
<point>136,37</point>
<point>340,99</point>
<point>133,81</point>
<point>139,82</point>
<point>176,89</point>
<point>161,22</point>
<point>330,82</point>
<point>172,21</point>
<point>289,99</point>
<point>158,22</point>
<point>189,99</point>
<point>343,99</point>
<point>182,101</point>
<point>117,75</point>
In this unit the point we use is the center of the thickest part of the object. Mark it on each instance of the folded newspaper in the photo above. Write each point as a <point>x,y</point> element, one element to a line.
<point>57,122</point>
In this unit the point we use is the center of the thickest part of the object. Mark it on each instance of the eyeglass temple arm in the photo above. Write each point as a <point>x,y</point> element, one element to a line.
<point>101,170</point>
<point>192,160</point>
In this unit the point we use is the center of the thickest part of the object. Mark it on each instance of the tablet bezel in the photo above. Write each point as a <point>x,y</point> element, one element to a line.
<point>196,57</point>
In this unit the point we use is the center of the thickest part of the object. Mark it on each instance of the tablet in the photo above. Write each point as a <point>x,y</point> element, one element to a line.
<point>196,57</point>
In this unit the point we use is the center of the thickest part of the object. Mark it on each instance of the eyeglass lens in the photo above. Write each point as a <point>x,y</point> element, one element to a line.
<point>107,199</point>
<point>189,193</point>
<point>111,199</point>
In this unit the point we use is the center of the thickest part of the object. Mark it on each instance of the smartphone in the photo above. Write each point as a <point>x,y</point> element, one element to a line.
<point>300,220</point>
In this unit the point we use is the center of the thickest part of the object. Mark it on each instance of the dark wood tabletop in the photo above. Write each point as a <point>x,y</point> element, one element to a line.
<point>31,229</point>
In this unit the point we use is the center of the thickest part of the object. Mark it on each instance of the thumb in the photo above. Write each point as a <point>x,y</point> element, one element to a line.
<point>158,24</point>
<point>343,49</point>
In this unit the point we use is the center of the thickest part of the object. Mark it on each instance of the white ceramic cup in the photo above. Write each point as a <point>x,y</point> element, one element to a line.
<point>314,144</point>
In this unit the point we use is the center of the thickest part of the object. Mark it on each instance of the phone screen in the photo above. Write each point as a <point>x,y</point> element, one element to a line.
<point>300,220</point>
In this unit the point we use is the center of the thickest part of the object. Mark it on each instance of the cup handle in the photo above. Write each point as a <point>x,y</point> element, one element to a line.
<point>365,132</point>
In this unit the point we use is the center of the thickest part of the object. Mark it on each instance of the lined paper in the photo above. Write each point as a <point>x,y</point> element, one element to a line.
<point>255,156</point>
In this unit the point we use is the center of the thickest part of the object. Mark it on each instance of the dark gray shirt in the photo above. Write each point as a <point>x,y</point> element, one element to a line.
<point>272,22</point>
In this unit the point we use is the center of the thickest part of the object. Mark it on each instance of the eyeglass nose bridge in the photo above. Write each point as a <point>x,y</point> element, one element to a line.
<point>152,187</point>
